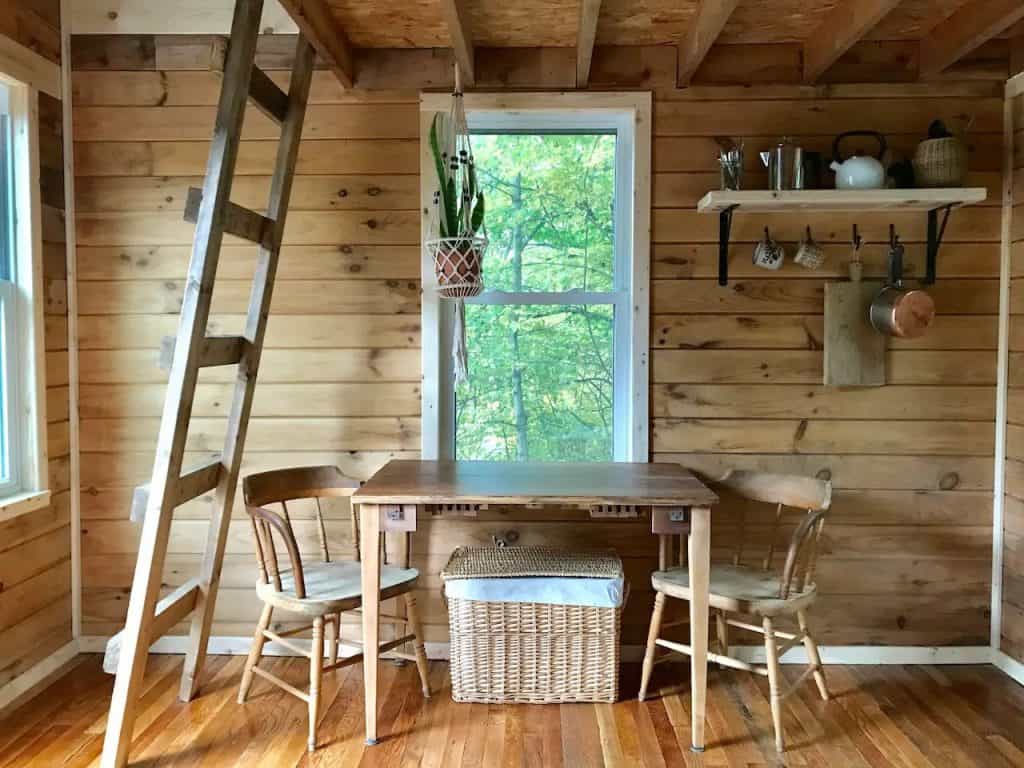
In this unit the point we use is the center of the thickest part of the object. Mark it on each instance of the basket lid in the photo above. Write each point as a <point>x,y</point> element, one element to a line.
<point>511,562</point>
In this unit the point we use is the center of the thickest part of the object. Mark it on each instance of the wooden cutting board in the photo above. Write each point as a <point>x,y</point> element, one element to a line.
<point>854,351</point>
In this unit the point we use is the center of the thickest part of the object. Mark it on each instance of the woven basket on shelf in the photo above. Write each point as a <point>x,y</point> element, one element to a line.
<point>940,163</point>
<point>534,653</point>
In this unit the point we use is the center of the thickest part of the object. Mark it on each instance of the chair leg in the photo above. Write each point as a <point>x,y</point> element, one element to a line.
<point>412,614</point>
<point>722,630</point>
<point>316,665</point>
<point>771,652</point>
<point>813,656</point>
<point>255,651</point>
<point>332,631</point>
<point>652,643</point>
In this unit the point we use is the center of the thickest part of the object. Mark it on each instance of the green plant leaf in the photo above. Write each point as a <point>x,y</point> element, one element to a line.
<point>451,207</point>
<point>477,219</point>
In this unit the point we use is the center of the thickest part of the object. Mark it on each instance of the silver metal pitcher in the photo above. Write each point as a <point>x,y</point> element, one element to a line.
<point>785,164</point>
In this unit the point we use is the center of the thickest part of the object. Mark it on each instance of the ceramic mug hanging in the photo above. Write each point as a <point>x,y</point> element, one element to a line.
<point>809,254</point>
<point>768,254</point>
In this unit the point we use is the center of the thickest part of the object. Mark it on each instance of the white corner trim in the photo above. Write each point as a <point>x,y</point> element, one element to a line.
<point>1008,665</point>
<point>28,67</point>
<point>37,674</point>
<point>70,248</point>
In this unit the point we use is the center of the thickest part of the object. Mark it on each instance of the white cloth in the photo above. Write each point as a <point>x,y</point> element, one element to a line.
<point>595,593</point>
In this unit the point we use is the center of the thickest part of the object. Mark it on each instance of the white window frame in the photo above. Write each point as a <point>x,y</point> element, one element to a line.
<point>26,304</point>
<point>629,114</point>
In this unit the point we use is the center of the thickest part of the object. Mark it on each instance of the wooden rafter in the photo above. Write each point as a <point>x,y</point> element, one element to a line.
<point>847,23</point>
<point>456,16</point>
<point>585,36</point>
<point>319,26</point>
<point>971,25</point>
<point>711,18</point>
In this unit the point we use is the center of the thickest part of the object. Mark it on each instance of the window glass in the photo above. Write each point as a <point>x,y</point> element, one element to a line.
<point>542,372</point>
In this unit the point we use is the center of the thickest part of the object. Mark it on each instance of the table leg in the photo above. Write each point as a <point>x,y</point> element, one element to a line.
<point>369,535</point>
<point>700,572</point>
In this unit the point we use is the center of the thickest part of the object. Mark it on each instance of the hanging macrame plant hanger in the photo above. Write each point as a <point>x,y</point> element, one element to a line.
<point>458,235</point>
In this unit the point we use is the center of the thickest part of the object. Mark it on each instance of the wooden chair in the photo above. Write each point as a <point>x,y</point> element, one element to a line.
<point>755,590</point>
<point>320,590</point>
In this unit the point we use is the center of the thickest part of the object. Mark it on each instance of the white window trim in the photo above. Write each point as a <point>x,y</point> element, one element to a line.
<point>29,347</point>
<point>436,313</point>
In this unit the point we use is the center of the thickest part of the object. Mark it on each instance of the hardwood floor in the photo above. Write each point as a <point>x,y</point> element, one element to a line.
<point>935,717</point>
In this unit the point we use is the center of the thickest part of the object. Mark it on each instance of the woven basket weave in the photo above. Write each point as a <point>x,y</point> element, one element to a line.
<point>533,653</point>
<point>940,163</point>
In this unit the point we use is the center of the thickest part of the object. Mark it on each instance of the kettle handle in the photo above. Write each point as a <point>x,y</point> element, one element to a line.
<point>882,145</point>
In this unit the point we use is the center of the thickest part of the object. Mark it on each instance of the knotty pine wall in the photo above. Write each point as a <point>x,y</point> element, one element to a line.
<point>35,548</point>
<point>735,370</point>
<point>1013,510</point>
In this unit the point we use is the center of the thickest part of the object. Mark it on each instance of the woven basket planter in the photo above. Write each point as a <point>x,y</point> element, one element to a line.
<point>458,265</point>
<point>532,653</point>
<point>940,163</point>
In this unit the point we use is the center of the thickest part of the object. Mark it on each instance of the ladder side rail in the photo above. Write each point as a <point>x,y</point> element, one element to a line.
<point>255,331</point>
<point>181,385</point>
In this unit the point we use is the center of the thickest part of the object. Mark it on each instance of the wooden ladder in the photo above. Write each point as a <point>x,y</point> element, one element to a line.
<point>214,215</point>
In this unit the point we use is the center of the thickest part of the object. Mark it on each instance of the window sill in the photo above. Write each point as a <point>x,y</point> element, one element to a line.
<point>23,503</point>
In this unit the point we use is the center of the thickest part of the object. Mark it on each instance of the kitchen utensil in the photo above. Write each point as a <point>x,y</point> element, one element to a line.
<point>785,164</point>
<point>814,169</point>
<point>896,311</point>
<point>767,253</point>
<point>730,160</point>
<point>859,171</point>
<point>809,254</point>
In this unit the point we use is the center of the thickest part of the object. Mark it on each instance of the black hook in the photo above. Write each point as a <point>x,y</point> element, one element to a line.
<point>856,239</point>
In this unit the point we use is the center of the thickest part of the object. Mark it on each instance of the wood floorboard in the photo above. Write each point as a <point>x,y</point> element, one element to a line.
<point>899,716</point>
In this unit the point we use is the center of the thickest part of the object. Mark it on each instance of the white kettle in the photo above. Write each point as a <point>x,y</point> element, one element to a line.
<point>859,171</point>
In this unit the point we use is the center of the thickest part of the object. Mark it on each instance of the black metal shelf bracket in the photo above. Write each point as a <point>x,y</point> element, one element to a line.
<point>724,232</point>
<point>935,233</point>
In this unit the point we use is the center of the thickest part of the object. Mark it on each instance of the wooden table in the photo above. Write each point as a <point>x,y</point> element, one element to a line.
<point>679,502</point>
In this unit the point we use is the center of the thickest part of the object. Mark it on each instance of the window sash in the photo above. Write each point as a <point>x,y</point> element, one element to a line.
<point>12,444</point>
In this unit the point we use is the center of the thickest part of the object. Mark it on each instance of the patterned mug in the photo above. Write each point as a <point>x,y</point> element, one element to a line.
<point>809,254</point>
<point>767,253</point>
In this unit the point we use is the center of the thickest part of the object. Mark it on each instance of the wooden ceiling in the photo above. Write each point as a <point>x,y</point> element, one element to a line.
<point>943,31</point>
<point>533,23</point>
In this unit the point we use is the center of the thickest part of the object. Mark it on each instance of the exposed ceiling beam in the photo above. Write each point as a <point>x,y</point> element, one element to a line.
<point>971,25</point>
<point>585,36</point>
<point>318,25</point>
<point>456,15</point>
<point>847,23</point>
<point>704,30</point>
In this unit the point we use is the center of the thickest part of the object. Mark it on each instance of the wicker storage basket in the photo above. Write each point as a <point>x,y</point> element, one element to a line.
<point>535,653</point>
<point>940,163</point>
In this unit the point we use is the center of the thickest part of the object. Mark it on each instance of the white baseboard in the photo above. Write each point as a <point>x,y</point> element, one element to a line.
<point>33,676</point>
<point>830,654</point>
<point>1008,665</point>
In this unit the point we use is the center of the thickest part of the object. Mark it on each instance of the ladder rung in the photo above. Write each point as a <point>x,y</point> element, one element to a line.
<point>215,350</point>
<point>193,484</point>
<point>263,92</point>
<point>169,611</point>
<point>238,221</point>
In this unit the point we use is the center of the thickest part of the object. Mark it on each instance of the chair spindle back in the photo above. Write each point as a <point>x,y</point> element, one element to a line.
<point>279,487</point>
<point>808,493</point>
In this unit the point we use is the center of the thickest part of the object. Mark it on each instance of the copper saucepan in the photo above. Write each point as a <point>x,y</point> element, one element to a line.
<point>898,312</point>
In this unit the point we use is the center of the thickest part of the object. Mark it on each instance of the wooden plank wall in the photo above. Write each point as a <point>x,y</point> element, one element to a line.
<point>35,548</point>
<point>735,370</point>
<point>1013,510</point>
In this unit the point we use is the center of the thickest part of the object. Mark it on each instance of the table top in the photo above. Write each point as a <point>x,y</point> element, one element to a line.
<point>491,482</point>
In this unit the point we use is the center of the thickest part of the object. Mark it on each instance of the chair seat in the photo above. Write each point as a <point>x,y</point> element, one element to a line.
<point>333,586</point>
<point>736,588</point>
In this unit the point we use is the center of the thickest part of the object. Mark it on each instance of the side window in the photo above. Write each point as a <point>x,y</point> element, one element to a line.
<point>10,453</point>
